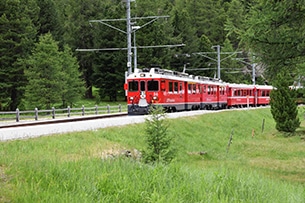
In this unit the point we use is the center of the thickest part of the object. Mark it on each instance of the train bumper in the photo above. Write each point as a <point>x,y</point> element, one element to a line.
<point>137,110</point>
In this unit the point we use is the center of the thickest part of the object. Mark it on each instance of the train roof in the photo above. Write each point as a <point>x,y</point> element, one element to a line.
<point>157,72</point>
<point>233,85</point>
<point>249,86</point>
<point>265,87</point>
<point>173,75</point>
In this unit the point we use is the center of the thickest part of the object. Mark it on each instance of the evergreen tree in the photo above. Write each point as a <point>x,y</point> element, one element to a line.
<point>235,15</point>
<point>155,33</point>
<point>109,66</point>
<point>184,32</point>
<point>109,75</point>
<point>283,105</point>
<point>50,19</point>
<point>208,17</point>
<point>74,85</point>
<point>45,74</point>
<point>17,36</point>
<point>231,70</point>
<point>159,142</point>
<point>274,31</point>
<point>80,34</point>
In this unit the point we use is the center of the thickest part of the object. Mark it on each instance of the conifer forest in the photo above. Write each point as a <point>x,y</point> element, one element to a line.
<point>40,41</point>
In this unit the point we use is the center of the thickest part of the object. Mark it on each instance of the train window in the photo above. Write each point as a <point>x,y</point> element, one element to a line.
<point>142,85</point>
<point>133,86</point>
<point>152,85</point>
<point>267,93</point>
<point>170,86</point>
<point>190,87</point>
<point>204,89</point>
<point>237,92</point>
<point>194,88</point>
<point>263,93</point>
<point>209,90</point>
<point>176,87</point>
<point>163,85</point>
<point>212,90</point>
<point>181,87</point>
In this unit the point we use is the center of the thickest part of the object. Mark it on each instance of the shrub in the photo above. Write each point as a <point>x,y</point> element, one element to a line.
<point>159,142</point>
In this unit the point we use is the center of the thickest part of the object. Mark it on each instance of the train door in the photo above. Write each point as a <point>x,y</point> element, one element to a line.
<point>185,95</point>
<point>255,96</point>
<point>143,101</point>
<point>218,96</point>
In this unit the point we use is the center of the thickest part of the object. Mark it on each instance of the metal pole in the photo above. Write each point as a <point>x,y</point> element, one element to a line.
<point>218,61</point>
<point>253,73</point>
<point>135,52</point>
<point>128,38</point>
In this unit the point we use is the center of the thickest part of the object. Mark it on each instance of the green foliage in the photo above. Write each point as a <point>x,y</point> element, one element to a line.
<point>80,34</point>
<point>50,20</point>
<point>71,167</point>
<point>45,77</point>
<point>52,75</point>
<point>274,31</point>
<point>159,142</point>
<point>74,85</point>
<point>17,35</point>
<point>284,106</point>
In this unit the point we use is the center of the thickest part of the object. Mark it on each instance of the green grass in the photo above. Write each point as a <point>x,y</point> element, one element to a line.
<point>266,167</point>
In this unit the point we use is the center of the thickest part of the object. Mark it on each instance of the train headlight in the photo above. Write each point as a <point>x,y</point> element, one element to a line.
<point>155,98</point>
<point>130,98</point>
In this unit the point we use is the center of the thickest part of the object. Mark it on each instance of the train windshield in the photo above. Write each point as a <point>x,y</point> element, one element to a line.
<point>142,85</point>
<point>152,85</point>
<point>133,86</point>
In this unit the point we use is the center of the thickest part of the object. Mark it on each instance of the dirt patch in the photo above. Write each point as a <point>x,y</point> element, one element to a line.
<point>117,152</point>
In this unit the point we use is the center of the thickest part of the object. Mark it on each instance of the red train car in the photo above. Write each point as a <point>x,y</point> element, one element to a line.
<point>263,94</point>
<point>174,91</point>
<point>242,95</point>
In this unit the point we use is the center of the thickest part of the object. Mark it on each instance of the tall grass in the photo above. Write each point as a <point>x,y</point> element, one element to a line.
<point>266,167</point>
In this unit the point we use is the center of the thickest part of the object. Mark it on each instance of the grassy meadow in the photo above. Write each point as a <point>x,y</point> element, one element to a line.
<point>260,165</point>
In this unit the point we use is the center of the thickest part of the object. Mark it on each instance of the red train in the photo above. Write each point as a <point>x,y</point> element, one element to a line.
<point>176,91</point>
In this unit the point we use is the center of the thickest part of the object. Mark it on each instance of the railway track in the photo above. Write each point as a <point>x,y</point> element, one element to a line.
<point>60,120</point>
<point>31,129</point>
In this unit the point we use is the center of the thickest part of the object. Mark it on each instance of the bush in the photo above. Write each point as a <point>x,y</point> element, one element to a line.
<point>159,142</point>
<point>284,106</point>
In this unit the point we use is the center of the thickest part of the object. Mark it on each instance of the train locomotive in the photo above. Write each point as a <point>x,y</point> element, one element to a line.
<point>179,91</point>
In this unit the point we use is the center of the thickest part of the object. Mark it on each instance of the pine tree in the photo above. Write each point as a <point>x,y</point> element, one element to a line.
<point>74,85</point>
<point>283,105</point>
<point>50,20</point>
<point>45,77</point>
<point>17,35</point>
<point>159,142</point>
<point>80,34</point>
